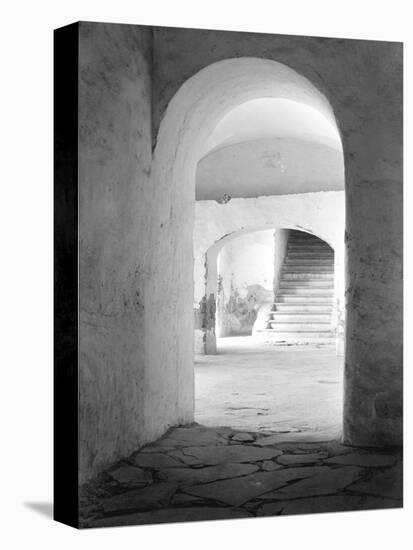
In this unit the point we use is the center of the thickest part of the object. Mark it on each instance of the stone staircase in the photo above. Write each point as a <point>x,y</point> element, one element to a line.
<point>303,307</point>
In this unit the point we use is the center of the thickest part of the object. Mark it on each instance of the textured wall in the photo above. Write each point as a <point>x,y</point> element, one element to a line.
<point>245,281</point>
<point>280,251</point>
<point>114,165</point>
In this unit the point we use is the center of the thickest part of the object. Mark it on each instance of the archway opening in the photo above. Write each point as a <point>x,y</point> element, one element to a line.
<point>256,145</point>
<point>273,365</point>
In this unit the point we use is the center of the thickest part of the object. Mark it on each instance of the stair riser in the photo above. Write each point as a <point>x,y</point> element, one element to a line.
<point>308,292</point>
<point>299,318</point>
<point>309,269</point>
<point>304,256</point>
<point>306,275</point>
<point>307,241</point>
<point>296,298</point>
<point>304,306</point>
<point>308,248</point>
<point>298,261</point>
<point>303,327</point>
<point>303,284</point>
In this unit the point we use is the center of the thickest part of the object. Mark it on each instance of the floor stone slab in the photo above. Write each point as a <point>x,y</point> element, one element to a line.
<point>295,437</point>
<point>153,496</point>
<point>333,448</point>
<point>185,459</point>
<point>183,499</point>
<point>193,435</point>
<point>243,437</point>
<point>388,483</point>
<point>155,461</point>
<point>240,490</point>
<point>231,453</point>
<point>270,466</point>
<point>130,476</point>
<point>190,476</point>
<point>370,460</point>
<point>323,483</point>
<point>304,458</point>
<point>155,448</point>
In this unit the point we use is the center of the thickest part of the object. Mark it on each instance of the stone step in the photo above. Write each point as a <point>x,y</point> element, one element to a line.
<point>299,336</point>
<point>300,317</point>
<point>308,298</point>
<point>307,275</point>
<point>304,307</point>
<point>281,326</point>
<point>310,255</point>
<point>309,261</point>
<point>308,269</point>
<point>305,291</point>
<point>306,240</point>
<point>306,283</point>
<point>308,250</point>
<point>305,245</point>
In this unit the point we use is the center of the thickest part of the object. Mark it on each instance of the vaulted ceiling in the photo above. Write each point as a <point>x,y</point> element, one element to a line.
<point>271,146</point>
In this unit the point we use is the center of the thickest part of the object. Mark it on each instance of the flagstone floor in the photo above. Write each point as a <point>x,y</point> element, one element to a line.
<point>197,473</point>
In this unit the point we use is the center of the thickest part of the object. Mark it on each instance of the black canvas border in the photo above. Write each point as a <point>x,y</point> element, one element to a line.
<point>66,377</point>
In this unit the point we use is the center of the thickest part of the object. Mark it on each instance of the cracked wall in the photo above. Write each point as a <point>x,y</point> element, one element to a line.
<point>245,282</point>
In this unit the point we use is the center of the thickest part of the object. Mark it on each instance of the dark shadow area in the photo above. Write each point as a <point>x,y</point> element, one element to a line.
<point>196,473</point>
<point>45,509</point>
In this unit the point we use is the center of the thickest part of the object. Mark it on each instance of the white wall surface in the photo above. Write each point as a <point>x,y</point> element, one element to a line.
<point>271,166</point>
<point>245,275</point>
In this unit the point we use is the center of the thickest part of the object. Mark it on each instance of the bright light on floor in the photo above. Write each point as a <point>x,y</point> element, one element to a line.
<point>257,387</point>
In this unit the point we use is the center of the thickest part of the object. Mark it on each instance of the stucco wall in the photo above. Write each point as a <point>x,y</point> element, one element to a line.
<point>129,390</point>
<point>245,281</point>
<point>269,167</point>
<point>280,252</point>
<point>114,165</point>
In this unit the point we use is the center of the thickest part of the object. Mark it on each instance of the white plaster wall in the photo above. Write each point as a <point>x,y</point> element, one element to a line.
<point>280,251</point>
<point>114,205</point>
<point>245,274</point>
<point>277,166</point>
<point>320,213</point>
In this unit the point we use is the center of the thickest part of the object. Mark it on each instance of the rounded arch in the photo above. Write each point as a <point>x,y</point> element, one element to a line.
<point>189,119</point>
<point>222,241</point>
<point>210,94</point>
<point>210,272</point>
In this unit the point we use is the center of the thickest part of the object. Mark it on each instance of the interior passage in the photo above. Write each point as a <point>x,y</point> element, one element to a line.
<point>295,391</point>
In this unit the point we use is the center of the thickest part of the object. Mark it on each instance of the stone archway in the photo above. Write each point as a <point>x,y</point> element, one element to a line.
<point>190,118</point>
<point>372,400</point>
<point>321,214</point>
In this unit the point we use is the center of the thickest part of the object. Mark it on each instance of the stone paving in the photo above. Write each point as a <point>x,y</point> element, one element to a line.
<point>199,473</point>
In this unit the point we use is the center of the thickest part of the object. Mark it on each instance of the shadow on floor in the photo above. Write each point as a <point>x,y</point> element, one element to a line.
<point>196,473</point>
<point>45,509</point>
